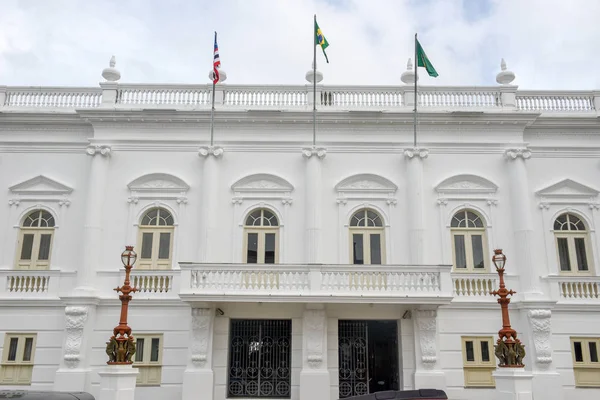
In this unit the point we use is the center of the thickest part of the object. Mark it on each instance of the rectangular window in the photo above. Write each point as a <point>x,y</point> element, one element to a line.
<point>478,362</point>
<point>252,252</point>
<point>44,253</point>
<point>375,247</point>
<point>269,248</point>
<point>563,254</point>
<point>27,248</point>
<point>260,359</point>
<point>146,245</point>
<point>164,246</point>
<point>148,359</point>
<point>460,254</point>
<point>581,254</point>
<point>477,245</point>
<point>357,249</point>
<point>586,367</point>
<point>17,359</point>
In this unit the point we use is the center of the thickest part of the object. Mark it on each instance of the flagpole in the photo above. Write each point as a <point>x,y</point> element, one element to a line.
<point>314,82</point>
<point>415,109</point>
<point>212,109</point>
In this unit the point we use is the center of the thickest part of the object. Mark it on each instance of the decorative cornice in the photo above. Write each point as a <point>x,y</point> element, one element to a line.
<point>416,152</point>
<point>320,152</point>
<point>514,153</point>
<point>94,149</point>
<point>215,151</point>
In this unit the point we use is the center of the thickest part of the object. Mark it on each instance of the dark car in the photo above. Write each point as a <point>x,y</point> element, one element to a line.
<point>44,395</point>
<point>421,394</point>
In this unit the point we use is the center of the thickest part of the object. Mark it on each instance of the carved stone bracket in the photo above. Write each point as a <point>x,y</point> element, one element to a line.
<point>215,151</point>
<point>391,202</point>
<point>416,152</point>
<point>94,149</point>
<point>64,203</point>
<point>442,202</point>
<point>594,206</point>
<point>237,200</point>
<point>14,202</point>
<point>320,152</point>
<point>182,200</point>
<point>542,331</point>
<point>514,153</point>
<point>287,201</point>
<point>76,316</point>
<point>492,202</point>
<point>426,321</point>
<point>342,202</point>
<point>314,324</point>
<point>543,205</point>
<point>202,319</point>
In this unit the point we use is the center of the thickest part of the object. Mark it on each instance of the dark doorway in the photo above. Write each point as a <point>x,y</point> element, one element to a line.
<point>368,357</point>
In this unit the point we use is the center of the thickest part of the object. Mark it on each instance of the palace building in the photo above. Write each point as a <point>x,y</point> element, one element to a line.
<point>272,267</point>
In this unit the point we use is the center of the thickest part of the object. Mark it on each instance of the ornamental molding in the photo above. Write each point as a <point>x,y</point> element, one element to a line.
<point>262,186</point>
<point>205,151</point>
<point>568,191</point>
<point>94,149</point>
<point>76,317</point>
<point>426,321</point>
<point>157,186</point>
<point>320,152</point>
<point>40,189</point>
<point>540,321</point>
<point>594,206</point>
<point>202,319</point>
<point>366,187</point>
<point>465,184</point>
<point>416,152</point>
<point>315,325</point>
<point>514,153</point>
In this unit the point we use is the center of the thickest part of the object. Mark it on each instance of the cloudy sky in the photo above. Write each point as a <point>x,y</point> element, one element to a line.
<point>549,44</point>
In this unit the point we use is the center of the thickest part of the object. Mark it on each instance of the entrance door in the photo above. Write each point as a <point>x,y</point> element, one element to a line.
<point>368,357</point>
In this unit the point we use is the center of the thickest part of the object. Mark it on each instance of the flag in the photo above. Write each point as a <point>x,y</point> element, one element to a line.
<point>423,61</point>
<point>320,39</point>
<point>216,62</point>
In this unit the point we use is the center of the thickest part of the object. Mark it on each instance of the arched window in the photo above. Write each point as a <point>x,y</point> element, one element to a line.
<point>35,240</point>
<point>469,242</point>
<point>156,239</point>
<point>367,237</point>
<point>261,237</point>
<point>572,243</point>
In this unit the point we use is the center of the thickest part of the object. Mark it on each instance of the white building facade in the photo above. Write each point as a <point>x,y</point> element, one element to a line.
<point>271,268</point>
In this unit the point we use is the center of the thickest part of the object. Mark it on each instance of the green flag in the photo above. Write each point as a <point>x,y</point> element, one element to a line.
<point>320,39</point>
<point>423,61</point>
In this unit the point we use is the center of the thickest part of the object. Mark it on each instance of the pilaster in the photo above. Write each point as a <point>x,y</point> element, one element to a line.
<point>414,159</point>
<point>314,377</point>
<point>210,198</point>
<point>198,377</point>
<point>313,213</point>
<point>428,373</point>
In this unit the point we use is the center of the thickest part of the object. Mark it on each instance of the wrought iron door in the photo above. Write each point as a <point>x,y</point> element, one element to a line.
<point>353,359</point>
<point>259,358</point>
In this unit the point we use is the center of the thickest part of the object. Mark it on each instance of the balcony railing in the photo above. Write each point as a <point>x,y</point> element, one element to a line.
<point>477,286</point>
<point>299,97</point>
<point>32,284</point>
<point>150,283</point>
<point>319,283</point>
<point>569,289</point>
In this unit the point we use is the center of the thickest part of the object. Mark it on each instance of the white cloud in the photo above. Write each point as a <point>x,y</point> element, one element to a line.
<point>548,44</point>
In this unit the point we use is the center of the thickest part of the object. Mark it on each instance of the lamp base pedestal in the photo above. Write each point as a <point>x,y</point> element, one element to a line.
<point>117,382</point>
<point>197,382</point>
<point>314,385</point>
<point>513,384</point>
<point>430,379</point>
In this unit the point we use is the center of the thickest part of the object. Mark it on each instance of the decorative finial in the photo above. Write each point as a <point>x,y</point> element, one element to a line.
<point>310,74</point>
<point>111,74</point>
<point>408,76</point>
<point>505,76</point>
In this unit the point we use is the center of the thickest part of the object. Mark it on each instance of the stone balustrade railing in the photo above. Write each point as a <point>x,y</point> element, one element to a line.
<point>299,97</point>
<point>25,284</point>
<point>477,286</point>
<point>325,283</point>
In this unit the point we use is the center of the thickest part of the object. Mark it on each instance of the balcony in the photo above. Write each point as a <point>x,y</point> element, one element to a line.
<point>34,284</point>
<point>150,283</point>
<point>395,284</point>
<point>476,287</point>
<point>575,289</point>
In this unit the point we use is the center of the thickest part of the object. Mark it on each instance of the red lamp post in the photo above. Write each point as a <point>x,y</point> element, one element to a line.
<point>509,350</point>
<point>121,346</point>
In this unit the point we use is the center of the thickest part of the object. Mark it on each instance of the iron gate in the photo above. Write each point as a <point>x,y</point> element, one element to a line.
<point>353,360</point>
<point>259,358</point>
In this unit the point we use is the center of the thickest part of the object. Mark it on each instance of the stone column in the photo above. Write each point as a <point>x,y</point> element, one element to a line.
<point>312,214</point>
<point>428,373</point>
<point>524,260</point>
<point>198,377</point>
<point>414,190</point>
<point>314,377</point>
<point>209,247</point>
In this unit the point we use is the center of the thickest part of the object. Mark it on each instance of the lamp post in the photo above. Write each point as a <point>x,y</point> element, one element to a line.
<point>509,350</point>
<point>121,346</point>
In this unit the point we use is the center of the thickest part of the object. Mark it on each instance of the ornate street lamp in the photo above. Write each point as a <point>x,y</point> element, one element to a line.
<point>509,350</point>
<point>121,346</point>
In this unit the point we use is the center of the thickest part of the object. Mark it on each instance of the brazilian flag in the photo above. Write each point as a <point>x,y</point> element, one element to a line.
<point>320,39</point>
<point>423,61</point>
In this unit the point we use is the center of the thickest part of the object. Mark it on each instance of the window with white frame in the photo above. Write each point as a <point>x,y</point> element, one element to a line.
<point>35,240</point>
<point>261,237</point>
<point>478,361</point>
<point>148,359</point>
<point>586,366</point>
<point>156,239</point>
<point>469,243</point>
<point>17,358</point>
<point>572,244</point>
<point>367,238</point>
